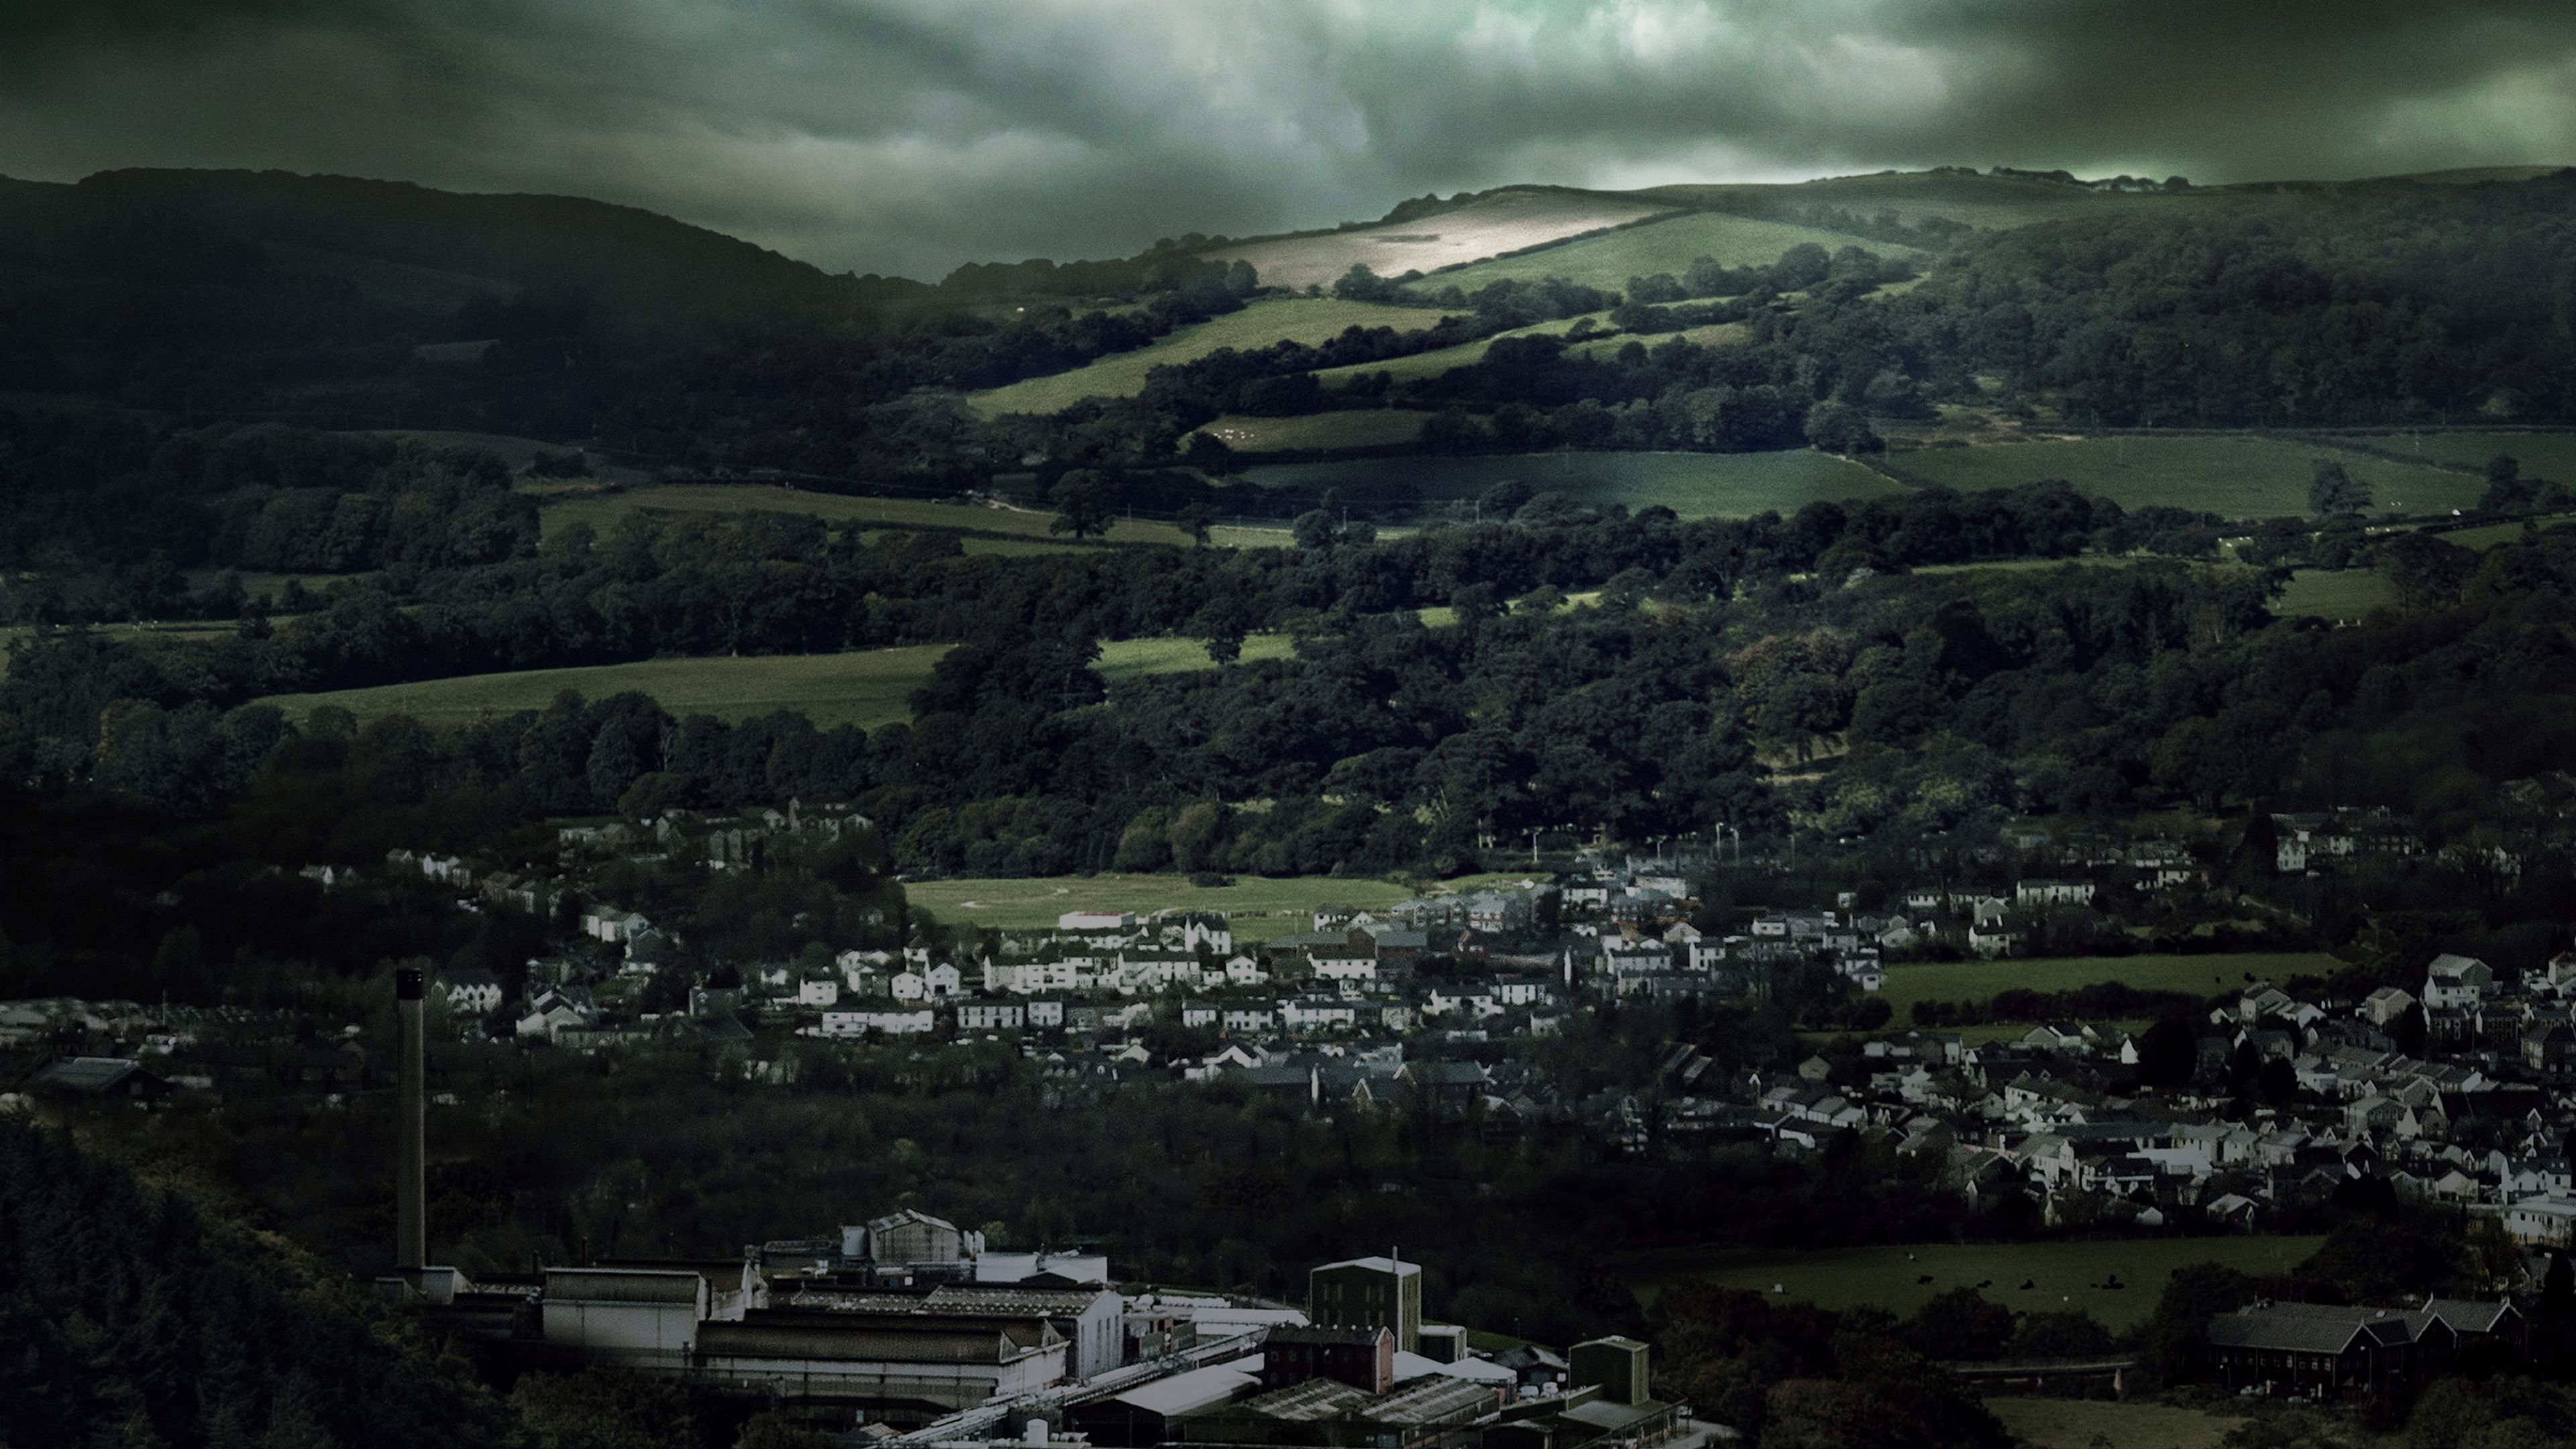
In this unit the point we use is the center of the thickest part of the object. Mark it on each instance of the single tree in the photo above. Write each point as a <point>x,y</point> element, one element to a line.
<point>1081,498</point>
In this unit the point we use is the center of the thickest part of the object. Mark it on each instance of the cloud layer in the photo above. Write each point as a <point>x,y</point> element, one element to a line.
<point>910,135</point>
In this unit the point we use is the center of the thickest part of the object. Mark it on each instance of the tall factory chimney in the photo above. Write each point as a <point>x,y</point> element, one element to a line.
<point>411,1234</point>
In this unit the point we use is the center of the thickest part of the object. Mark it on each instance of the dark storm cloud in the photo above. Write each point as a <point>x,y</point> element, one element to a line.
<point>909,135</point>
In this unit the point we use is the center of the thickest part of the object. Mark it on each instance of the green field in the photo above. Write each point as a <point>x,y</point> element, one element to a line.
<point>1135,658</point>
<point>2196,975</point>
<point>1694,485</point>
<point>1886,1277</point>
<point>1355,428</point>
<point>866,689</point>
<point>2542,455</point>
<point>603,511</point>
<point>1441,359</point>
<point>1506,221</point>
<point>1122,374</point>
<point>2105,1424</point>
<point>2238,477</point>
<point>1276,907</point>
<point>1670,245</point>
<point>2336,594</point>
<point>2488,535</point>
<point>1982,201</point>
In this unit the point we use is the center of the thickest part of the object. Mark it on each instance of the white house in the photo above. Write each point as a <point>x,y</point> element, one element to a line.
<point>820,991</point>
<point>472,990</point>
<point>1246,1020</point>
<point>2043,892</point>
<point>1048,1014</point>
<point>1317,1013</point>
<point>908,986</point>
<point>990,1015</point>
<point>2456,981</point>
<point>942,981</point>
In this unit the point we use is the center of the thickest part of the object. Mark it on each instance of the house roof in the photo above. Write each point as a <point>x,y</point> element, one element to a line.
<point>1304,1334</point>
<point>622,1285</point>
<point>82,1074</point>
<point>1313,1399</point>
<point>2282,1332</point>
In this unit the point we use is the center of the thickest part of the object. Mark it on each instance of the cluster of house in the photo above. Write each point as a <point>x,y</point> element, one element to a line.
<point>2477,1116</point>
<point>917,1331</point>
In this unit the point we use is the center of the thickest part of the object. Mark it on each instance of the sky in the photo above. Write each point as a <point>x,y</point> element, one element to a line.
<point>908,136</point>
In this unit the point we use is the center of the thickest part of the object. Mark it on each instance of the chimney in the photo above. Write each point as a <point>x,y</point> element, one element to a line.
<point>411,1236</point>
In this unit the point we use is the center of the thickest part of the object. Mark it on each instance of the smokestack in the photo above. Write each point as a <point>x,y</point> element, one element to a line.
<point>411,1234</point>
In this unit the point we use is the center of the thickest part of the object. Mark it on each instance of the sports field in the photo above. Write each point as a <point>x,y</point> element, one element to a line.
<point>2238,477</point>
<point>1273,907</point>
<point>2063,1275</point>
<point>1694,485</point>
<point>1488,226</point>
<point>2109,1424</point>
<point>1356,428</point>
<point>2335,594</point>
<point>1122,374</point>
<point>2196,975</point>
<point>1670,245</point>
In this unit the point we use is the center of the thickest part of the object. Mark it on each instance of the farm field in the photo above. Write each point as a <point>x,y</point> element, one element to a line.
<point>2238,477</point>
<point>2542,455</point>
<point>866,689</point>
<point>1277,907</point>
<point>2198,975</point>
<point>2336,594</point>
<point>1506,221</point>
<point>1694,485</point>
<point>1136,658</point>
<point>603,510</point>
<point>1274,319</point>
<point>1442,359</point>
<point>1715,334</point>
<point>1356,428</point>
<point>1887,1276</point>
<point>2488,535</point>
<point>2105,1424</point>
<point>1669,245</point>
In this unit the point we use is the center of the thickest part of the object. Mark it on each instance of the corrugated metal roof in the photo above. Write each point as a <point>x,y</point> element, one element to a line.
<point>1432,1399</point>
<point>1311,1400</point>
<point>1183,1392</point>
<point>621,1285</point>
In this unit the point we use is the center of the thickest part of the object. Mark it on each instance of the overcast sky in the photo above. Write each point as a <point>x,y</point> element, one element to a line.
<point>907,136</point>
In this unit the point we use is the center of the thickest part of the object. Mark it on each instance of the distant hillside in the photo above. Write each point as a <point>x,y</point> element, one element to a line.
<point>634,266</point>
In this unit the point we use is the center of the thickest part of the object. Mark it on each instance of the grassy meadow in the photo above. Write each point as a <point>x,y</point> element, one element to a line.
<point>1357,428</point>
<point>2488,535</point>
<point>1670,245</point>
<point>2065,1275</point>
<point>2542,455</point>
<point>2239,477</point>
<point>2337,593</point>
<point>1506,221</point>
<point>868,689</point>
<point>1441,359</point>
<point>2197,975</point>
<point>1274,319</point>
<point>2108,1424</point>
<point>1273,907</point>
<point>1694,485</point>
<point>1989,202</point>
